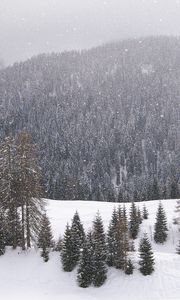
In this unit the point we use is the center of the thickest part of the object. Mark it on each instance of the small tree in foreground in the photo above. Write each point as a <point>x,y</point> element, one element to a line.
<point>146,256</point>
<point>129,267</point>
<point>67,258</point>
<point>45,239</point>
<point>160,233</point>
<point>145,212</point>
<point>85,270</point>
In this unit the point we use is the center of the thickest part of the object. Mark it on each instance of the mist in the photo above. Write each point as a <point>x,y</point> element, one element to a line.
<point>29,27</point>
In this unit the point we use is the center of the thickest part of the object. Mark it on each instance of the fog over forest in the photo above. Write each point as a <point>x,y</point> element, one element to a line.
<point>31,27</point>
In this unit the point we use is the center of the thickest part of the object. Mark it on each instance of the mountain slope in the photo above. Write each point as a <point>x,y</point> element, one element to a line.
<point>106,120</point>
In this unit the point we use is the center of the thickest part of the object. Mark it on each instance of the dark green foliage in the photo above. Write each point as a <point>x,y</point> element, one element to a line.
<point>178,248</point>
<point>99,256</point>
<point>155,190</point>
<point>131,246</point>
<point>67,258</point>
<point>174,192</point>
<point>146,256</point>
<point>160,231</point>
<point>134,222</point>
<point>45,239</point>
<point>13,227</point>
<point>145,212</point>
<point>58,245</point>
<point>78,236</point>
<point>139,216</point>
<point>86,268</point>
<point>2,235</point>
<point>129,267</point>
<point>111,239</point>
<point>121,245</point>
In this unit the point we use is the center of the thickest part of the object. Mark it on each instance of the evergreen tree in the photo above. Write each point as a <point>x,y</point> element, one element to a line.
<point>2,235</point>
<point>45,238</point>
<point>155,190</point>
<point>58,245</point>
<point>134,222</point>
<point>86,269</point>
<point>160,232</point>
<point>99,256</point>
<point>145,212</point>
<point>121,245</point>
<point>129,268</point>
<point>178,248</point>
<point>111,239</point>
<point>146,256</point>
<point>139,216</point>
<point>78,236</point>
<point>30,189</point>
<point>67,258</point>
<point>174,190</point>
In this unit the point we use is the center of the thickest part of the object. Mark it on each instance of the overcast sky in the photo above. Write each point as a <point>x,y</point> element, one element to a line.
<point>29,27</point>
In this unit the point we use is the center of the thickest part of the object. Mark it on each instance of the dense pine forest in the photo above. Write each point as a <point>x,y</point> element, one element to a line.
<point>105,121</point>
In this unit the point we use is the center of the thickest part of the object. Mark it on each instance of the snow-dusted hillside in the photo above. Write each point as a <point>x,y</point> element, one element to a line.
<point>24,275</point>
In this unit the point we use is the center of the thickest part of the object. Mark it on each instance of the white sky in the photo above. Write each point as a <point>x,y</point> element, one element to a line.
<point>28,27</point>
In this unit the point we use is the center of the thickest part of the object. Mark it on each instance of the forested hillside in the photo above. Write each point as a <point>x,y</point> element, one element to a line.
<point>106,121</point>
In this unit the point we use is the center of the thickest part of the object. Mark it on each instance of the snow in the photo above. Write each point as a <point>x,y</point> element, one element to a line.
<point>24,275</point>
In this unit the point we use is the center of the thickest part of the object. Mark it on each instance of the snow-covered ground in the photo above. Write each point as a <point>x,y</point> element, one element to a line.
<point>24,275</point>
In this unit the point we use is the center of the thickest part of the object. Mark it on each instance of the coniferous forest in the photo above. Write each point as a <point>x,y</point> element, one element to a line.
<point>105,121</point>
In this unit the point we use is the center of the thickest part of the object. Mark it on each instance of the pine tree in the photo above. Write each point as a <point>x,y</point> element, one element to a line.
<point>58,245</point>
<point>160,232</point>
<point>145,212</point>
<point>121,245</point>
<point>9,188</point>
<point>78,236</point>
<point>67,251</point>
<point>30,190</point>
<point>111,239</point>
<point>2,235</point>
<point>178,248</point>
<point>99,255</point>
<point>86,269</point>
<point>45,238</point>
<point>146,256</point>
<point>139,216</point>
<point>129,268</point>
<point>134,222</point>
<point>174,191</point>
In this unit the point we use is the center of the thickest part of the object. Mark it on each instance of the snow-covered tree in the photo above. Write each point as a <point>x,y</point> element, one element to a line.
<point>111,238</point>
<point>99,256</point>
<point>129,268</point>
<point>145,212</point>
<point>86,266</point>
<point>146,256</point>
<point>45,238</point>
<point>134,222</point>
<point>67,258</point>
<point>160,228</point>
<point>78,236</point>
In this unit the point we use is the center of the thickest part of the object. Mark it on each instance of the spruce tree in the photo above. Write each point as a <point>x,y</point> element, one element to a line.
<point>160,232</point>
<point>99,255</point>
<point>67,259</point>
<point>145,212</point>
<point>111,239</point>
<point>30,189</point>
<point>146,256</point>
<point>121,245</point>
<point>78,236</point>
<point>86,269</point>
<point>58,245</point>
<point>45,238</point>
<point>134,222</point>
<point>178,248</point>
<point>2,235</point>
<point>129,268</point>
<point>139,216</point>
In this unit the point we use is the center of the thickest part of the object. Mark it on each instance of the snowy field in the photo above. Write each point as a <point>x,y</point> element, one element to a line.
<point>24,275</point>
